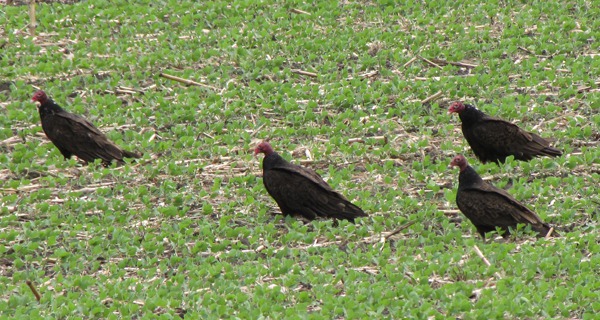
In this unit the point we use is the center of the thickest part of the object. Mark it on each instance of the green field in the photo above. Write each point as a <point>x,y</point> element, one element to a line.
<point>357,91</point>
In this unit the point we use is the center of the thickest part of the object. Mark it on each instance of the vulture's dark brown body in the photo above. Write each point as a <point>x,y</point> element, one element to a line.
<point>301,191</point>
<point>489,207</point>
<point>494,139</point>
<point>74,135</point>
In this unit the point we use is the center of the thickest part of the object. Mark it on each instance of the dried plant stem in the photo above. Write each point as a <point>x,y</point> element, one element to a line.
<point>32,22</point>
<point>458,64</point>
<point>413,59</point>
<point>298,11</point>
<point>432,97</point>
<point>549,234</point>
<point>363,140</point>
<point>304,73</point>
<point>405,226</point>
<point>480,254</point>
<point>34,290</point>
<point>431,62</point>
<point>186,81</point>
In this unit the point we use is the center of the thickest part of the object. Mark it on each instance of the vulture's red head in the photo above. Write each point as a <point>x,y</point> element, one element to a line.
<point>459,161</point>
<point>456,107</point>
<point>263,147</point>
<point>40,96</point>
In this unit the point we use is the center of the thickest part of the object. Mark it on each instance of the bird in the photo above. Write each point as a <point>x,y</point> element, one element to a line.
<point>301,191</point>
<point>493,140</point>
<point>74,135</point>
<point>488,207</point>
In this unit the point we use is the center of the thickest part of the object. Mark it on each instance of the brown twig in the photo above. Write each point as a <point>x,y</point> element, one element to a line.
<point>370,74</point>
<point>480,254</point>
<point>413,59</point>
<point>186,81</point>
<point>525,50</point>
<point>458,64</point>
<point>549,234</point>
<point>430,62</point>
<point>298,11</point>
<point>557,70</point>
<point>304,73</point>
<point>587,88</point>
<point>362,140</point>
<point>448,211</point>
<point>11,141</point>
<point>432,97</point>
<point>34,290</point>
<point>32,23</point>
<point>486,261</point>
<point>255,131</point>
<point>123,90</point>
<point>395,232</point>
<point>442,78</point>
<point>208,135</point>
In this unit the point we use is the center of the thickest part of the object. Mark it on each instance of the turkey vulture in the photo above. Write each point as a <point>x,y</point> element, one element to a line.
<point>74,135</point>
<point>489,207</point>
<point>300,190</point>
<point>493,139</point>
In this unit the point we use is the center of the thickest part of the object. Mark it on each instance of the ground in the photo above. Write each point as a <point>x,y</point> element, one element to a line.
<point>355,90</point>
